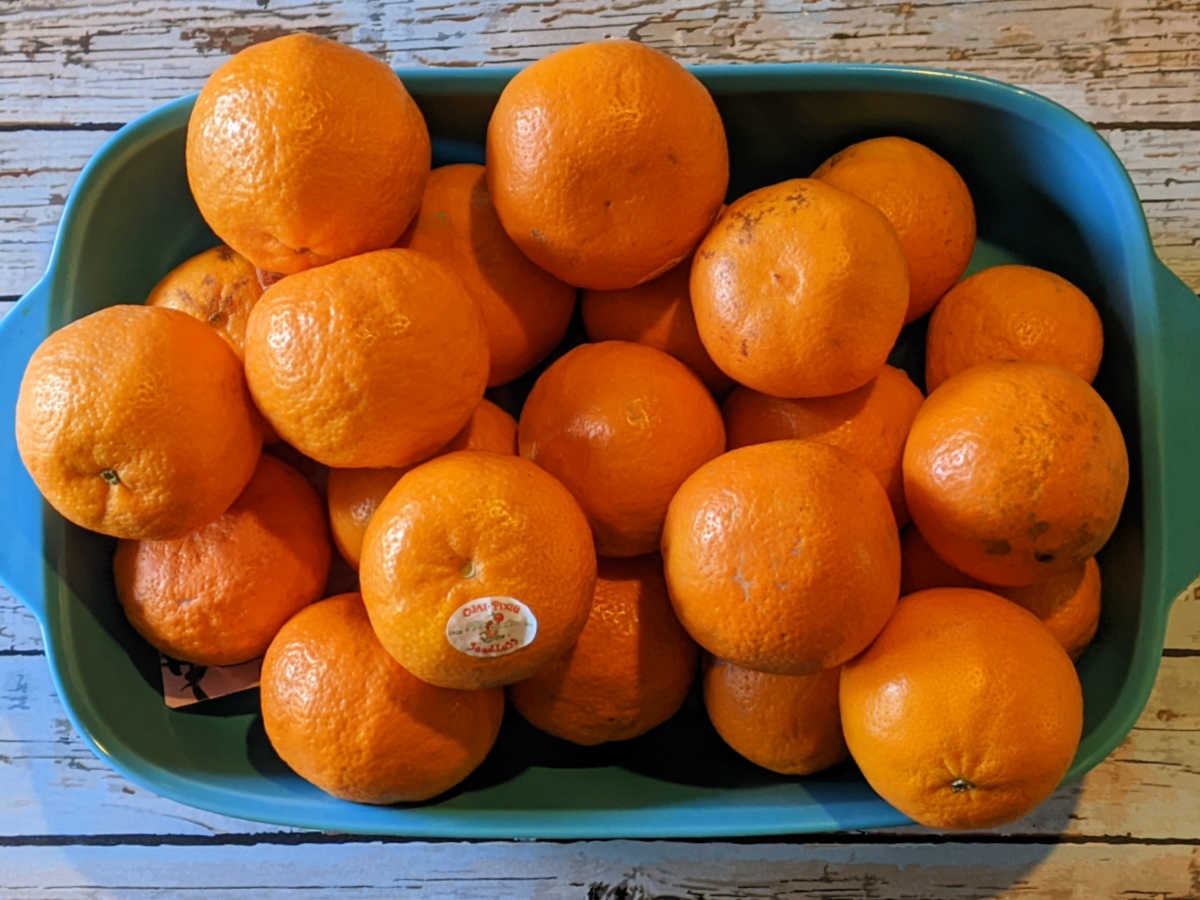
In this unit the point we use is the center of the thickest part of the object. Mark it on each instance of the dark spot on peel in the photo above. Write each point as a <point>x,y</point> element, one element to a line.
<point>835,159</point>
<point>746,225</point>
<point>607,204</point>
<point>997,548</point>
<point>224,254</point>
<point>1038,529</point>
<point>672,159</point>
<point>745,348</point>
<point>1044,557</point>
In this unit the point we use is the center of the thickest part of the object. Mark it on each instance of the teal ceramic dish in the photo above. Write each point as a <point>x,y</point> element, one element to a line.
<point>1048,191</point>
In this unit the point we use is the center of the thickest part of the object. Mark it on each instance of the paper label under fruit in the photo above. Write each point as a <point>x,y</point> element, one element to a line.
<point>491,626</point>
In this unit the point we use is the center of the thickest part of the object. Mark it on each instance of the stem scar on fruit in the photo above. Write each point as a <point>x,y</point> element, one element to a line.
<point>111,476</point>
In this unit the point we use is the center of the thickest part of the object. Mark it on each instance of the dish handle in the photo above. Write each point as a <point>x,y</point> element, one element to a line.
<point>1180,435</point>
<point>21,331</point>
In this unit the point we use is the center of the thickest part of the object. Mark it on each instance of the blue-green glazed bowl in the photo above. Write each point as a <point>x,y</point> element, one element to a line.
<point>1048,191</point>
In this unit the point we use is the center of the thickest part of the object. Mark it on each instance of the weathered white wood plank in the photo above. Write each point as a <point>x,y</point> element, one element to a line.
<point>1109,61</point>
<point>610,870</point>
<point>55,786</point>
<point>37,169</point>
<point>19,631</point>
<point>1164,165</point>
<point>1165,169</point>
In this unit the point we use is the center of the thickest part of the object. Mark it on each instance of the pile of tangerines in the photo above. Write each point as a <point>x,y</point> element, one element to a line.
<point>359,307</point>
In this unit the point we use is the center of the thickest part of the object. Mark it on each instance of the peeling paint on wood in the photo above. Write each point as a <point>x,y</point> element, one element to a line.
<point>71,72</point>
<point>1108,61</point>
<point>618,870</point>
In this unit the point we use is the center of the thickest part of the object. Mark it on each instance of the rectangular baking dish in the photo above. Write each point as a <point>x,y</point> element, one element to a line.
<point>1048,191</point>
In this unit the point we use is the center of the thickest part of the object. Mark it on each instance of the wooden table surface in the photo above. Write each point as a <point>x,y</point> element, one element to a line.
<point>72,72</point>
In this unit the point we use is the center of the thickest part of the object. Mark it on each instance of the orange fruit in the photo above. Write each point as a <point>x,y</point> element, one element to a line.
<point>799,290</point>
<point>477,569</point>
<point>631,668</point>
<point>1015,471</point>
<point>606,162</point>
<point>489,428</point>
<point>315,473</point>
<point>525,309</point>
<point>135,422</point>
<point>218,286</point>
<point>658,314</point>
<point>921,568</point>
<point>965,712</point>
<point>782,557</point>
<point>301,151</point>
<point>355,494</point>
<point>789,724</point>
<point>218,595</point>
<point>924,198</point>
<point>1013,312</point>
<point>1068,604</point>
<point>870,423</point>
<point>621,425</point>
<point>377,360</point>
<point>346,716</point>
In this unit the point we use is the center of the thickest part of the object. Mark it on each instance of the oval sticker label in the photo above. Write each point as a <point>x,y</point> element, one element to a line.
<point>491,626</point>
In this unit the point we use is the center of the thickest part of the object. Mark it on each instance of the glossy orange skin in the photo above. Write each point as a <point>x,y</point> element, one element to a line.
<point>218,595</point>
<point>1013,312</point>
<point>870,423</point>
<point>965,712</point>
<point>347,717</point>
<point>470,525</point>
<point>525,309</point>
<point>658,314</point>
<point>218,286</point>
<point>621,425</point>
<point>607,163</point>
<point>302,151</point>
<point>782,557</point>
<point>355,494</point>
<point>1015,471</point>
<point>630,670</point>
<point>373,361</point>
<point>799,290</point>
<point>925,200</point>
<point>789,724</point>
<point>135,422</point>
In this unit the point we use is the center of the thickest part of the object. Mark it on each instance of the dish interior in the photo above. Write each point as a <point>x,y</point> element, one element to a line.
<point>1047,192</point>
